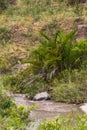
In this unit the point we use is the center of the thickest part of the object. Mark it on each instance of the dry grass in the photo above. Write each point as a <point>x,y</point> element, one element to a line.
<point>25,22</point>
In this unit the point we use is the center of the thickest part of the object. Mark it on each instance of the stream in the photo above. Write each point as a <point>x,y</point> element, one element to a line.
<point>46,109</point>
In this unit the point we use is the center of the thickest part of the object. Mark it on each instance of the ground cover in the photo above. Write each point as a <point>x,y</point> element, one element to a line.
<point>20,25</point>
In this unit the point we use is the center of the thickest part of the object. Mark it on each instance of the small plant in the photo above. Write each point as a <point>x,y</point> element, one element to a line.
<point>11,115</point>
<point>55,55</point>
<point>65,123</point>
<point>70,87</point>
<point>68,92</point>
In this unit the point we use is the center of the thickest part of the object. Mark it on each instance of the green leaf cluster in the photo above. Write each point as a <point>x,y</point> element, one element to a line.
<point>12,116</point>
<point>65,123</point>
<point>59,53</point>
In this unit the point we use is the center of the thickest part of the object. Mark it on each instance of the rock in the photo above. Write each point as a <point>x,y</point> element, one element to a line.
<point>13,2</point>
<point>41,96</point>
<point>19,67</point>
<point>84,108</point>
<point>82,31</point>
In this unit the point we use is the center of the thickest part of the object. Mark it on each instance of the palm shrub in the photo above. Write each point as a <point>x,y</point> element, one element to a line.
<point>57,54</point>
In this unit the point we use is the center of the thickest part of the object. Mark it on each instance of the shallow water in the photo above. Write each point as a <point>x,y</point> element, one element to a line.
<point>46,109</point>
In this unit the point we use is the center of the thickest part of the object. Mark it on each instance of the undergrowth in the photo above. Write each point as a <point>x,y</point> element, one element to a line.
<point>57,65</point>
<point>12,116</point>
<point>63,123</point>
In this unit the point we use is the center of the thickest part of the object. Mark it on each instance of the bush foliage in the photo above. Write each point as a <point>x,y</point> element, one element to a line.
<point>52,59</point>
<point>12,116</point>
<point>60,53</point>
<point>61,123</point>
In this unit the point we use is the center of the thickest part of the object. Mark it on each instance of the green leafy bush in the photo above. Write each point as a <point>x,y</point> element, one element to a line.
<point>51,59</point>
<point>71,86</point>
<point>61,123</point>
<point>55,55</point>
<point>25,82</point>
<point>68,92</point>
<point>12,116</point>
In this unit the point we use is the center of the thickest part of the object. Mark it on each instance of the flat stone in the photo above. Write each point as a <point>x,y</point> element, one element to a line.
<point>84,108</point>
<point>19,67</point>
<point>41,96</point>
<point>82,31</point>
<point>13,2</point>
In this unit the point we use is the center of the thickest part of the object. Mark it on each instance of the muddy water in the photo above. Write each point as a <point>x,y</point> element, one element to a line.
<point>46,109</point>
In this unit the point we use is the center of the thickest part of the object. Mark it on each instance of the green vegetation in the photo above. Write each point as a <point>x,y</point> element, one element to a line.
<point>51,55</point>
<point>62,123</point>
<point>57,61</point>
<point>58,65</point>
<point>12,116</point>
<point>58,54</point>
<point>71,87</point>
<point>5,36</point>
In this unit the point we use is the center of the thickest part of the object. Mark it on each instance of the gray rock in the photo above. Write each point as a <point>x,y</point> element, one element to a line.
<point>13,2</point>
<point>84,108</point>
<point>41,96</point>
<point>19,67</point>
<point>82,31</point>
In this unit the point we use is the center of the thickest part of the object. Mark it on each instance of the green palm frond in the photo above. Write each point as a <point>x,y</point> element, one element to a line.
<point>61,52</point>
<point>45,36</point>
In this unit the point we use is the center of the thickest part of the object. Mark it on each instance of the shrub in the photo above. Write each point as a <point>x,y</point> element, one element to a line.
<point>51,58</point>
<point>58,54</point>
<point>61,123</point>
<point>71,86</point>
<point>68,92</point>
<point>12,116</point>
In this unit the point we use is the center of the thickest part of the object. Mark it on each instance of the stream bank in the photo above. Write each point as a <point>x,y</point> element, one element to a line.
<point>46,109</point>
